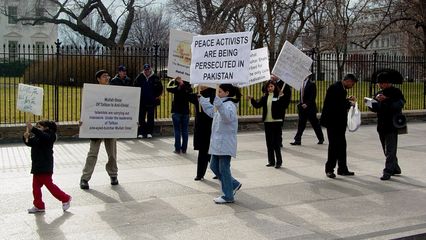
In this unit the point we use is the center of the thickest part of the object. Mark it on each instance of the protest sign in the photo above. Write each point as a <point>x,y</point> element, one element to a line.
<point>292,66</point>
<point>221,58</point>
<point>109,111</point>
<point>179,61</point>
<point>259,67</point>
<point>30,99</point>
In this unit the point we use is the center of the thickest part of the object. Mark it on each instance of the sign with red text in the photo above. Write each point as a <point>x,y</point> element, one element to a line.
<point>221,58</point>
<point>109,111</point>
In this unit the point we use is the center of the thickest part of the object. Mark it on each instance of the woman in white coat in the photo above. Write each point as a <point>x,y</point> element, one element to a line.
<point>223,140</point>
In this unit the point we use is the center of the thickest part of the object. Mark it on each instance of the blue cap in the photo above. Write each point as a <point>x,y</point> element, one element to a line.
<point>122,68</point>
<point>146,66</point>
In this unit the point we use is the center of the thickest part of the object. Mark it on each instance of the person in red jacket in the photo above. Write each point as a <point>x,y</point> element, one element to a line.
<point>41,139</point>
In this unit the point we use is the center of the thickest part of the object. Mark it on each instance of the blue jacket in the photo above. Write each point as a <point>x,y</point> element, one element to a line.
<point>223,139</point>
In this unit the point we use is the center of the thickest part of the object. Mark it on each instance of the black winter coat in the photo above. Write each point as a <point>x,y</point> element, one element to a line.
<point>387,109</point>
<point>277,108</point>
<point>119,82</point>
<point>335,110</point>
<point>180,103</point>
<point>41,150</point>
<point>151,88</point>
<point>203,123</point>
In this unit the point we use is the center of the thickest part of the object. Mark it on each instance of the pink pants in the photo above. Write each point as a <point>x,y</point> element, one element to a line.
<point>46,179</point>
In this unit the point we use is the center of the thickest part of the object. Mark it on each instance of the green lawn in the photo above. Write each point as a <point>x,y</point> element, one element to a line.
<point>70,100</point>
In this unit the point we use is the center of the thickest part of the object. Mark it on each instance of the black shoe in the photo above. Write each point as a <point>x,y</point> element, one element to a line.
<point>348,173</point>
<point>176,151</point>
<point>183,151</point>
<point>385,177</point>
<point>198,179</point>
<point>114,181</point>
<point>215,177</point>
<point>277,166</point>
<point>397,172</point>
<point>330,175</point>
<point>320,141</point>
<point>84,184</point>
<point>296,143</point>
<point>270,165</point>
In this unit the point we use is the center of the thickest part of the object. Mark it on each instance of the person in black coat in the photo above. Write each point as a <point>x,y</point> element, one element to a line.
<point>41,139</point>
<point>180,112</point>
<point>202,130</point>
<point>334,117</point>
<point>272,104</point>
<point>151,90</point>
<point>389,103</point>
<point>121,79</point>
<point>307,110</point>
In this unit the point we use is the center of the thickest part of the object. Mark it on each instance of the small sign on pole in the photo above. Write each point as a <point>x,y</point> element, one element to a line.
<point>292,66</point>
<point>179,60</point>
<point>30,99</point>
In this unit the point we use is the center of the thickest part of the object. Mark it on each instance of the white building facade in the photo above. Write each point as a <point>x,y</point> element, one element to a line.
<point>14,33</point>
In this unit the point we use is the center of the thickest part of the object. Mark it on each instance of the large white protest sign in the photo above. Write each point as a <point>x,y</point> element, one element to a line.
<point>179,61</point>
<point>259,67</point>
<point>292,66</point>
<point>221,58</point>
<point>30,99</point>
<point>109,111</point>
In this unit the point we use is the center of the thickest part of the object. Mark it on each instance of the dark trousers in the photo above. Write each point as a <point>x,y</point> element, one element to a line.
<point>304,116</point>
<point>146,126</point>
<point>202,162</point>
<point>389,143</point>
<point>336,149</point>
<point>273,135</point>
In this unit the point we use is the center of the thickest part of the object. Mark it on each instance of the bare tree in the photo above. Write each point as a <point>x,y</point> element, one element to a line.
<point>73,13</point>
<point>208,16</point>
<point>150,27</point>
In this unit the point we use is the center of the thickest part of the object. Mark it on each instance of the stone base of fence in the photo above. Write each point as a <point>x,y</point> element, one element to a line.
<point>163,127</point>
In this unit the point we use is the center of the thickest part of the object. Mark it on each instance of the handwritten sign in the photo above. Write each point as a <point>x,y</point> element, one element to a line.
<point>292,66</point>
<point>109,111</point>
<point>259,67</point>
<point>179,61</point>
<point>30,99</point>
<point>221,58</point>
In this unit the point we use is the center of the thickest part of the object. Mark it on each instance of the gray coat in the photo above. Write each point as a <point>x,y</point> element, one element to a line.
<point>223,140</point>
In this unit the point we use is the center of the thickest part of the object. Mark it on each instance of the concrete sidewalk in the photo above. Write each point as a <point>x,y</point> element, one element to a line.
<point>158,199</point>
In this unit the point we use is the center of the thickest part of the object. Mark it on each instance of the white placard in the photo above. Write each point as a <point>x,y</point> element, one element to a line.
<point>259,67</point>
<point>109,111</point>
<point>30,99</point>
<point>179,61</point>
<point>292,66</point>
<point>221,58</point>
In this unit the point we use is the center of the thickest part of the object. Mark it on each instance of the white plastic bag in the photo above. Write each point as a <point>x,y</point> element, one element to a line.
<point>354,118</point>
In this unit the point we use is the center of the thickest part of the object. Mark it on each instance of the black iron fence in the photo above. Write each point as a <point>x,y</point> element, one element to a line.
<point>62,71</point>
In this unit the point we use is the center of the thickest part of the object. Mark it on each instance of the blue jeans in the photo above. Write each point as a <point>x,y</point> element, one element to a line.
<point>180,128</point>
<point>221,167</point>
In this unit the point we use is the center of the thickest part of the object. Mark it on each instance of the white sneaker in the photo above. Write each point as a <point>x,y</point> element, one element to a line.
<point>149,135</point>
<point>140,136</point>
<point>66,205</point>
<point>220,200</point>
<point>35,210</point>
<point>237,188</point>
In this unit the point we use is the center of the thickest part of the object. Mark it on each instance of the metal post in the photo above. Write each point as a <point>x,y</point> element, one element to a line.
<point>374,70</point>
<point>156,47</point>
<point>58,46</point>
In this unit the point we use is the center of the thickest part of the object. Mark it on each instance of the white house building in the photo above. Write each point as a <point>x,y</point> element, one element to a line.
<point>13,33</point>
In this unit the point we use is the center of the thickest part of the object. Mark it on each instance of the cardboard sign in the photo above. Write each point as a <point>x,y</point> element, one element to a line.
<point>221,58</point>
<point>179,61</point>
<point>30,99</point>
<point>292,66</point>
<point>259,67</point>
<point>109,111</point>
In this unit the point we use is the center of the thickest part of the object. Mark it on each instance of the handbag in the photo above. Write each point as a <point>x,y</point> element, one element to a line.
<point>354,118</point>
